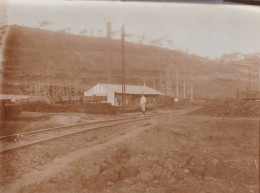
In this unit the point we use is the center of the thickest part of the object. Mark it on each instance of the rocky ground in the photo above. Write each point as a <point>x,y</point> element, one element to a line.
<point>188,153</point>
<point>230,107</point>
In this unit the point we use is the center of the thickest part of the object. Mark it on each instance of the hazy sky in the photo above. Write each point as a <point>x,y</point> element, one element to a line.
<point>207,30</point>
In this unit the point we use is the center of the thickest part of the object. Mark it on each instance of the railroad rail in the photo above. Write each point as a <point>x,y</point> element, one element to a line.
<point>76,125</point>
<point>62,127</point>
<point>70,130</point>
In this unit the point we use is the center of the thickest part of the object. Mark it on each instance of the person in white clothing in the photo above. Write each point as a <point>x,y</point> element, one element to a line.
<point>142,103</point>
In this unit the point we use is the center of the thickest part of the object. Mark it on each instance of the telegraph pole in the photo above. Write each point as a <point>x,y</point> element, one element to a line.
<point>167,83</point>
<point>177,86</point>
<point>123,65</point>
<point>109,55</point>
<point>184,86</point>
<point>249,73</point>
<point>249,77</point>
<point>161,78</point>
<point>191,87</point>
<point>259,100</point>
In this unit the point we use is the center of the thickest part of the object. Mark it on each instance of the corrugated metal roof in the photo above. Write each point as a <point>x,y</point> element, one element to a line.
<point>131,89</point>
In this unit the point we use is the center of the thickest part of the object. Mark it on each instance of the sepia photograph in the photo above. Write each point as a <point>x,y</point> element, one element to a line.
<point>129,96</point>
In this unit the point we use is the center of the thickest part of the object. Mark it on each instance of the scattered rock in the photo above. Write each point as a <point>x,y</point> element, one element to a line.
<point>146,176</point>
<point>109,183</point>
<point>85,191</point>
<point>169,167</point>
<point>111,175</point>
<point>168,174</point>
<point>156,181</point>
<point>172,180</point>
<point>132,171</point>
<point>136,179</point>
<point>208,179</point>
<point>128,180</point>
<point>230,107</point>
<point>103,167</point>
<point>186,171</point>
<point>123,173</point>
<point>211,168</point>
<point>179,175</point>
<point>157,171</point>
<point>197,166</point>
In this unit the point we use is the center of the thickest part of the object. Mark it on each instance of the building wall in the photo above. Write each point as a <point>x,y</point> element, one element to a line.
<point>111,97</point>
<point>101,90</point>
<point>115,99</point>
<point>131,100</point>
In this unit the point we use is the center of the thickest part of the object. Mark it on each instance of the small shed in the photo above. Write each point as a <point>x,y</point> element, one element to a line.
<point>112,93</point>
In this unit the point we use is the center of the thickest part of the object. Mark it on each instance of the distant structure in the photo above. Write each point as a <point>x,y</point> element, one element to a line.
<point>54,92</point>
<point>112,93</point>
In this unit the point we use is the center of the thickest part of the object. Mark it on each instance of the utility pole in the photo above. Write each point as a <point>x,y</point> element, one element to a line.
<point>123,65</point>
<point>249,73</point>
<point>249,77</point>
<point>184,85</point>
<point>109,55</point>
<point>259,100</point>
<point>191,87</point>
<point>53,92</point>
<point>144,76</point>
<point>161,78</point>
<point>259,85</point>
<point>167,83</point>
<point>177,86</point>
<point>170,87</point>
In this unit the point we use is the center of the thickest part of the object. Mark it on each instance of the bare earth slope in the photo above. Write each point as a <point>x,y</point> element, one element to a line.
<point>33,55</point>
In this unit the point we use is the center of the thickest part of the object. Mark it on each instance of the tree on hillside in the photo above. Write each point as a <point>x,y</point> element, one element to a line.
<point>91,32</point>
<point>66,30</point>
<point>115,34</point>
<point>170,42</point>
<point>44,23</point>
<point>83,32</point>
<point>141,39</point>
<point>156,42</point>
<point>99,32</point>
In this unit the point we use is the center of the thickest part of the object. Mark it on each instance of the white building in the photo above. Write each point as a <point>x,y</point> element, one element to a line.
<point>112,93</point>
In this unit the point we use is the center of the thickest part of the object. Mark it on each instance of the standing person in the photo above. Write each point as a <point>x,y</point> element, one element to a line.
<point>142,103</point>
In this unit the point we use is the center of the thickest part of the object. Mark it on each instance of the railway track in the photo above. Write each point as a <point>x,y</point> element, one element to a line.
<point>40,136</point>
<point>63,127</point>
<point>36,149</point>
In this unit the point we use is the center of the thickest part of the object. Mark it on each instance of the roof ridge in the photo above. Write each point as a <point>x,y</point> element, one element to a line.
<point>126,84</point>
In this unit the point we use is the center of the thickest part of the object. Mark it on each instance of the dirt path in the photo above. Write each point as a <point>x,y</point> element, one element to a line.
<point>58,164</point>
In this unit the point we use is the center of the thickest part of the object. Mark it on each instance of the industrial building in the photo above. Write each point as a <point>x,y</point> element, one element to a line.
<point>112,93</point>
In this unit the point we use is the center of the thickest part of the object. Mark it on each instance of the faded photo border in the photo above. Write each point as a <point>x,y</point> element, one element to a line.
<point>187,73</point>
